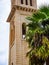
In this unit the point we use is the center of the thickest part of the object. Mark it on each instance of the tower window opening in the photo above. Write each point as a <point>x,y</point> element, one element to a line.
<point>21,1</point>
<point>12,63</point>
<point>30,2</point>
<point>23,30</point>
<point>26,2</point>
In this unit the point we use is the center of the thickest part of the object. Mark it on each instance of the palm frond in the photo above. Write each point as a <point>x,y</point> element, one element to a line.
<point>38,16</point>
<point>44,9</point>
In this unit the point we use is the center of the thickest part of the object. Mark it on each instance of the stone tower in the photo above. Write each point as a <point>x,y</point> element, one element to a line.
<point>18,48</point>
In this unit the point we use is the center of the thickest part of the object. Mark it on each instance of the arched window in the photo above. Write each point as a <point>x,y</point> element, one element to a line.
<point>30,2</point>
<point>26,2</point>
<point>23,30</point>
<point>21,1</point>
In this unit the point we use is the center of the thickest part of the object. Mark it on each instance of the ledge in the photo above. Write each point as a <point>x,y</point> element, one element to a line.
<point>20,7</point>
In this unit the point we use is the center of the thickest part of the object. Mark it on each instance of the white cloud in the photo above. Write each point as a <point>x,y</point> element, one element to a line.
<point>42,2</point>
<point>3,58</point>
<point>4,39</point>
<point>4,31</point>
<point>4,9</point>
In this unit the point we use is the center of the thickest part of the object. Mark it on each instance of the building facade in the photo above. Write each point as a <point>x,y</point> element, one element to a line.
<point>18,47</point>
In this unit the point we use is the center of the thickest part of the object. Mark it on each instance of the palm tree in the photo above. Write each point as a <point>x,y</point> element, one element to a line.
<point>38,35</point>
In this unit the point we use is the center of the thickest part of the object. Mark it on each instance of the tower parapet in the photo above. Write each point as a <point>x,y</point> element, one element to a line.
<point>28,3</point>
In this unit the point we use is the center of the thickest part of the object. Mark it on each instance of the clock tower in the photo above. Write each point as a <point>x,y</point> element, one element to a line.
<point>18,47</point>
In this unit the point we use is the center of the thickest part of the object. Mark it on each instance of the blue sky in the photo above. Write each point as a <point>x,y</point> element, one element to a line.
<point>4,29</point>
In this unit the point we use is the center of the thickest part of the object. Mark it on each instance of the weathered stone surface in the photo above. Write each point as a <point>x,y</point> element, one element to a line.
<point>18,46</point>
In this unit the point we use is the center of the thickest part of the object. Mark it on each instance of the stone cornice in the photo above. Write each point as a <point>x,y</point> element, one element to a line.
<point>11,14</point>
<point>23,8</point>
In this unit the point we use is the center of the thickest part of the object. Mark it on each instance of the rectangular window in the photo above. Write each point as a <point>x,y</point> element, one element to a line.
<point>26,2</point>
<point>30,2</point>
<point>23,30</point>
<point>21,1</point>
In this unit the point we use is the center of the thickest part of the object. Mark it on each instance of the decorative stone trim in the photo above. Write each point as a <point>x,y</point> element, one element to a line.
<point>12,44</point>
<point>23,8</point>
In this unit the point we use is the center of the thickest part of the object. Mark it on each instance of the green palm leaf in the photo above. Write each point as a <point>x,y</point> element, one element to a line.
<point>37,36</point>
<point>45,9</point>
